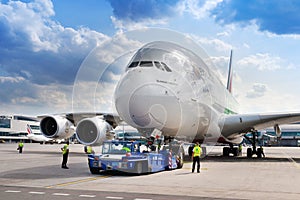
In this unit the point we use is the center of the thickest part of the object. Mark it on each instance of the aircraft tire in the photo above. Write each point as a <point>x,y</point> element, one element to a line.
<point>259,153</point>
<point>180,158</point>
<point>249,153</point>
<point>235,151</point>
<point>94,170</point>
<point>226,151</point>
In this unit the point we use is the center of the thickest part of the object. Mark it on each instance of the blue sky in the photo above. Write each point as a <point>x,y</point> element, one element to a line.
<point>44,45</point>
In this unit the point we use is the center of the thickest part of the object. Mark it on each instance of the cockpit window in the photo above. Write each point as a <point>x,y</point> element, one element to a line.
<point>158,65</point>
<point>146,64</point>
<point>166,67</point>
<point>133,64</point>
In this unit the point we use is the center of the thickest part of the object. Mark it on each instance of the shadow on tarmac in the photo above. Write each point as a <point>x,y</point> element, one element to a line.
<point>245,159</point>
<point>58,152</point>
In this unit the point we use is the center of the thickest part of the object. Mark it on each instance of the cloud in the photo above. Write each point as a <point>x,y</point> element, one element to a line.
<point>15,87</point>
<point>32,42</point>
<point>279,17</point>
<point>39,58</point>
<point>198,9</point>
<point>217,44</point>
<point>262,62</point>
<point>4,79</point>
<point>122,25</point>
<point>258,90</point>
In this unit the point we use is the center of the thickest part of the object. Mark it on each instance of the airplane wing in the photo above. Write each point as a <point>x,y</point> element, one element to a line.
<point>239,124</point>
<point>112,119</point>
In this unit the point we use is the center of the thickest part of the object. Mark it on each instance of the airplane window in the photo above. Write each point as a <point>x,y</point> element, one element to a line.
<point>166,67</point>
<point>158,65</point>
<point>146,64</point>
<point>133,64</point>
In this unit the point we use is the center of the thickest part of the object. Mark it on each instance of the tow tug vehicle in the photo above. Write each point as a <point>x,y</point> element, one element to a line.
<point>135,157</point>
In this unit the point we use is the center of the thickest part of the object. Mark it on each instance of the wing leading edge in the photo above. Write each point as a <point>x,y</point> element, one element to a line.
<point>234,126</point>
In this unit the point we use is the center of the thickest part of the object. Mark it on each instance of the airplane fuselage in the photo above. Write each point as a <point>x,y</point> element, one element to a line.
<point>169,88</point>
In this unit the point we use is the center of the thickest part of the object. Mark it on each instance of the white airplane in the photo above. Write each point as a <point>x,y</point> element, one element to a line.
<point>38,138</point>
<point>170,89</point>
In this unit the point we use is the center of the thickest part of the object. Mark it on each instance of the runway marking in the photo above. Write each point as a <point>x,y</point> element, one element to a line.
<point>142,199</point>
<point>76,182</point>
<point>60,194</point>
<point>114,197</point>
<point>87,196</point>
<point>12,191</point>
<point>294,162</point>
<point>36,192</point>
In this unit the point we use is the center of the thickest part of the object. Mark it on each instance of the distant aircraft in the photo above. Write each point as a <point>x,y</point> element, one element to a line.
<point>36,137</point>
<point>169,88</point>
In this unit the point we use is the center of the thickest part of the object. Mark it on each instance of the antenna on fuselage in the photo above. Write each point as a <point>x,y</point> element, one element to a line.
<point>229,80</point>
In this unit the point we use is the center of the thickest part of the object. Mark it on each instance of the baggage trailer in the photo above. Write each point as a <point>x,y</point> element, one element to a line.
<point>133,157</point>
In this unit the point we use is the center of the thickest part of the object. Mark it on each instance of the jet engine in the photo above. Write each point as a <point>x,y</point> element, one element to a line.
<point>93,131</point>
<point>57,127</point>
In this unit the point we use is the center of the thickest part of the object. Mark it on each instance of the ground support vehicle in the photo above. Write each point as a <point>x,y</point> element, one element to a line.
<point>133,157</point>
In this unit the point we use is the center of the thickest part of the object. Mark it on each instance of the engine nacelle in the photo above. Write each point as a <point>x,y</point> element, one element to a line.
<point>93,131</point>
<point>56,127</point>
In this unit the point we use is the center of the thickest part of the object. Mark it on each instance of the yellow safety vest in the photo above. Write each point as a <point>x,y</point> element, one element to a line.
<point>126,149</point>
<point>65,149</point>
<point>89,149</point>
<point>240,147</point>
<point>197,151</point>
<point>21,144</point>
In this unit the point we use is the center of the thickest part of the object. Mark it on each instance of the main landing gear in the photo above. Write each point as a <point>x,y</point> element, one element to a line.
<point>234,150</point>
<point>254,150</point>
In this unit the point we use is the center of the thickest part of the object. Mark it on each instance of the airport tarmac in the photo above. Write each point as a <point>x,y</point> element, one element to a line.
<point>36,174</point>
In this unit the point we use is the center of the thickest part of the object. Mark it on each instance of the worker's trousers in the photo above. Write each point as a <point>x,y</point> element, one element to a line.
<point>65,160</point>
<point>196,160</point>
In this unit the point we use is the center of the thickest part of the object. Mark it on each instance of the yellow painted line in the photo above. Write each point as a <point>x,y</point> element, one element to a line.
<point>76,182</point>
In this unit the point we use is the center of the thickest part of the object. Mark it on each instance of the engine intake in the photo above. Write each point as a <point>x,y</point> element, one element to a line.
<point>93,131</point>
<point>56,127</point>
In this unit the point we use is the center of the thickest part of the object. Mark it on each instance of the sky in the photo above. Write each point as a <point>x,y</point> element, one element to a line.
<point>47,48</point>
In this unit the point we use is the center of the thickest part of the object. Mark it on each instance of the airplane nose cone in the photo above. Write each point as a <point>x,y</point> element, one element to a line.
<point>149,105</point>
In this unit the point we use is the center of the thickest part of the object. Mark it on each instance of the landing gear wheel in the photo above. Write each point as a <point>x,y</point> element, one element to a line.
<point>226,151</point>
<point>94,170</point>
<point>179,159</point>
<point>235,151</point>
<point>249,153</point>
<point>259,152</point>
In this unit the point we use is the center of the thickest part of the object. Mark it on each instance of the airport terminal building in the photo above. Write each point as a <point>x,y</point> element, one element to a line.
<point>14,127</point>
<point>290,136</point>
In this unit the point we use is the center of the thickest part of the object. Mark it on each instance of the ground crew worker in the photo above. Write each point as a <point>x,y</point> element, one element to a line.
<point>65,153</point>
<point>262,151</point>
<point>196,157</point>
<point>89,150</point>
<point>240,149</point>
<point>20,147</point>
<point>126,149</point>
